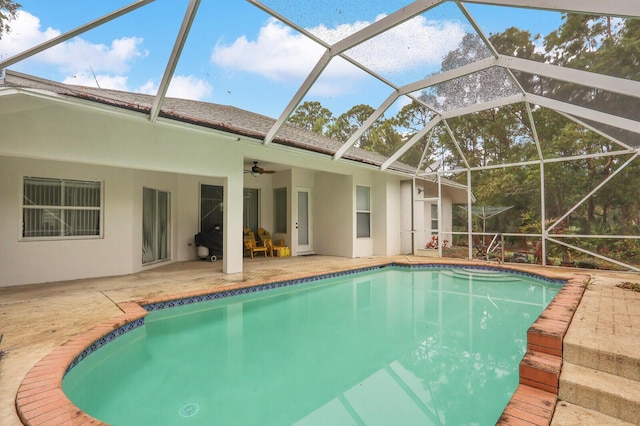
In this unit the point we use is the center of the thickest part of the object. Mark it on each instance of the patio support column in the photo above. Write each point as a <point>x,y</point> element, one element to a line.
<point>233,249</point>
<point>469,215</point>
<point>440,236</point>
<point>543,209</point>
<point>414,251</point>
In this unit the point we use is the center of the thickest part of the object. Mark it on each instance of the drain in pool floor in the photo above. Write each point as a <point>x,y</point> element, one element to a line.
<point>189,410</point>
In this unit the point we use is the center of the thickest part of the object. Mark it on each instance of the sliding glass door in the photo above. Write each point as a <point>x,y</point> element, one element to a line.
<point>251,204</point>
<point>156,208</point>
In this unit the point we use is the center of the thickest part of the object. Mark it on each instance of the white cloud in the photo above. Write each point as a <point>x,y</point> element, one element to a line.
<point>280,54</point>
<point>25,33</point>
<point>181,86</point>
<point>118,82</point>
<point>149,88</point>
<point>189,87</point>
<point>78,54</point>
<point>74,56</point>
<point>414,44</point>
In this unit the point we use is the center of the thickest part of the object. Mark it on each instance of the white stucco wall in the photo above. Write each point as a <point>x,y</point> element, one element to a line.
<point>333,196</point>
<point>41,261</point>
<point>119,250</point>
<point>45,138</point>
<point>394,207</point>
<point>406,224</point>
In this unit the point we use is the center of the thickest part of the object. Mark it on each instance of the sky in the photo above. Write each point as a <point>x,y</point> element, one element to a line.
<point>236,54</point>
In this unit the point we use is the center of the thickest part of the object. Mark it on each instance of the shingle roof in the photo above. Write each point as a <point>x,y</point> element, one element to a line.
<point>215,116</point>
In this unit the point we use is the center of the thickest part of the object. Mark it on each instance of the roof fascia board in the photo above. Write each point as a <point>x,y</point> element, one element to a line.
<point>74,101</point>
<point>589,114</point>
<point>275,146</point>
<point>181,38</point>
<point>70,34</point>
<point>622,86</point>
<point>622,8</point>
<point>110,109</point>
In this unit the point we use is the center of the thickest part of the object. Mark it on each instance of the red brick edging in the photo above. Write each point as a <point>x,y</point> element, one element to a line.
<point>534,401</point>
<point>41,401</point>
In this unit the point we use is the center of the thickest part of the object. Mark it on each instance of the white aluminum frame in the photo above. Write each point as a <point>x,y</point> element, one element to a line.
<point>616,8</point>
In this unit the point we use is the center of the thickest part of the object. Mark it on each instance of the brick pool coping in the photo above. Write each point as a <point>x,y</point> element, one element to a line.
<point>41,401</point>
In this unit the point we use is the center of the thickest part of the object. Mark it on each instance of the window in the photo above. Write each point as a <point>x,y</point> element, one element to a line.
<point>61,208</point>
<point>211,205</point>
<point>156,210</point>
<point>251,204</point>
<point>434,219</point>
<point>280,210</point>
<point>363,212</point>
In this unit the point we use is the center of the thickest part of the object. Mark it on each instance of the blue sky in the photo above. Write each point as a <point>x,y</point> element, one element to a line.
<point>236,54</point>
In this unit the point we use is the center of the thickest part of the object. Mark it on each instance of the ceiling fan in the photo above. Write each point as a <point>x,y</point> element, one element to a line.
<point>257,170</point>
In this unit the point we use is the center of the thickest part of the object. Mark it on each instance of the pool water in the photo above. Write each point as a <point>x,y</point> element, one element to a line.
<point>394,346</point>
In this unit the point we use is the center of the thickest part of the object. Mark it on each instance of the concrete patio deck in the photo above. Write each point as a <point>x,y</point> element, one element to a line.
<point>603,335</point>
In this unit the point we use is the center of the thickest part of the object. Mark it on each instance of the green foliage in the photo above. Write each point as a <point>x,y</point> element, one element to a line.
<point>505,135</point>
<point>349,122</point>
<point>8,11</point>
<point>312,116</point>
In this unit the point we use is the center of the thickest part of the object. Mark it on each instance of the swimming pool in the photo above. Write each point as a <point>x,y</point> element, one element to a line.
<point>393,346</point>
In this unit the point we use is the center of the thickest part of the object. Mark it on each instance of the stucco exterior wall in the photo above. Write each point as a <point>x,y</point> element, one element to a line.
<point>42,261</point>
<point>394,208</point>
<point>333,195</point>
<point>78,140</point>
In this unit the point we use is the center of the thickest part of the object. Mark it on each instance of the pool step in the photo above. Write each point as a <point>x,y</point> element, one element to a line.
<point>541,371</point>
<point>567,414</point>
<point>588,354</point>
<point>607,393</point>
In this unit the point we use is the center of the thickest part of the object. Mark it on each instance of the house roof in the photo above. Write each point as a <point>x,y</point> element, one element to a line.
<point>370,39</point>
<point>209,115</point>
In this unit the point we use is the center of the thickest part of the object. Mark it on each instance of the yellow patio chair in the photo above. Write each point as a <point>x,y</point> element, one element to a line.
<point>252,246</point>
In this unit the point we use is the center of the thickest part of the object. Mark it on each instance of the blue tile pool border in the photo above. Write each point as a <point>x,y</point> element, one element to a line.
<point>279,284</point>
<point>103,341</point>
<point>286,283</point>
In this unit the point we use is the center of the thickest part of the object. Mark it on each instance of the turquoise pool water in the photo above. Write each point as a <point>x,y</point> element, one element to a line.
<point>389,347</point>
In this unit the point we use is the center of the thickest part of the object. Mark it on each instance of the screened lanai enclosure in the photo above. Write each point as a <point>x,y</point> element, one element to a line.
<point>527,103</point>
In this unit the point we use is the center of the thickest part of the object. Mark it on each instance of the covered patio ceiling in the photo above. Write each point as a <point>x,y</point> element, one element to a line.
<point>490,79</point>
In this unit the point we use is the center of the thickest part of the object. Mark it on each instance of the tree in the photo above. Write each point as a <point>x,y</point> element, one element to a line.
<point>311,115</point>
<point>347,124</point>
<point>601,45</point>
<point>8,11</point>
